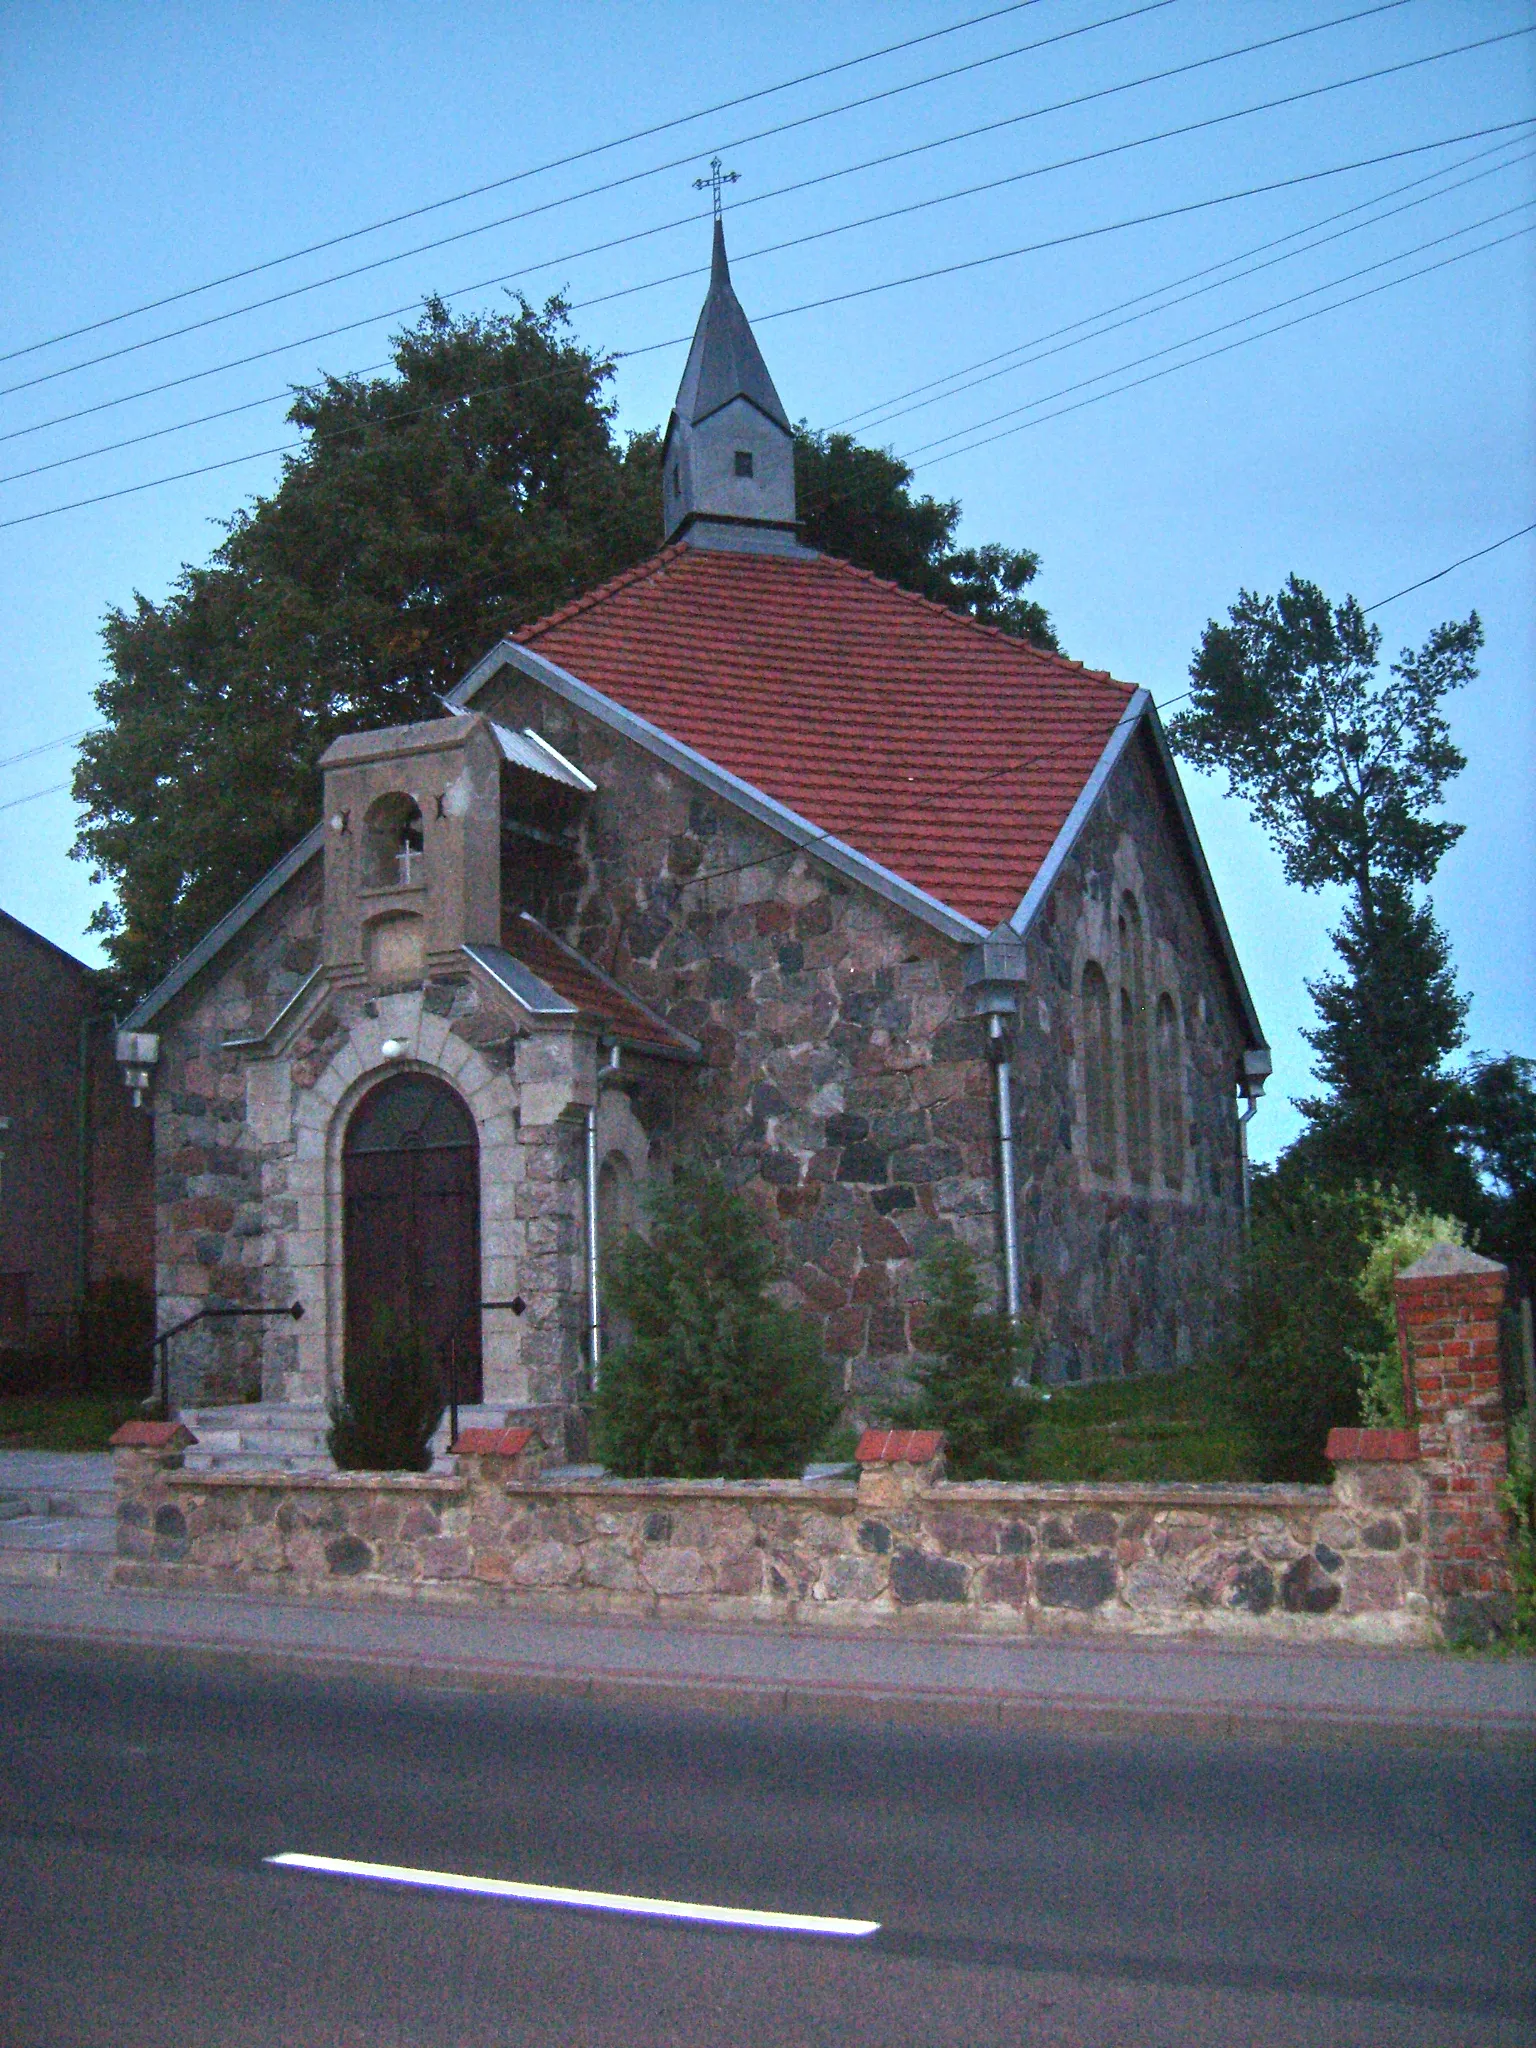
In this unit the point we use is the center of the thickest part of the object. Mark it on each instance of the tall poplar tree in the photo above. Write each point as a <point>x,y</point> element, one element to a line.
<point>1345,768</point>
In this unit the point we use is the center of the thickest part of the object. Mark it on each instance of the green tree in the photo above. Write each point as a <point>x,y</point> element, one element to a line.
<point>1344,768</point>
<point>968,1384</point>
<point>429,512</point>
<point>475,486</point>
<point>391,1401</point>
<point>715,1379</point>
<point>1499,1126</point>
<point>855,502</point>
<point>1292,1364</point>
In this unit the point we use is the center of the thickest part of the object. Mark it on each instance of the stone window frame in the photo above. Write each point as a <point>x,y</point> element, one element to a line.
<point>1098,944</point>
<point>313,1255</point>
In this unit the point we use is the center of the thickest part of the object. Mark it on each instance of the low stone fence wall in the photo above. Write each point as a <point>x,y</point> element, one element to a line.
<point>1409,1542</point>
<point>900,1548</point>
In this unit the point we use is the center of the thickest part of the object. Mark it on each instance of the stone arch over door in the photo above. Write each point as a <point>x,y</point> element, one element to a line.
<point>411,1221</point>
<point>310,1254</point>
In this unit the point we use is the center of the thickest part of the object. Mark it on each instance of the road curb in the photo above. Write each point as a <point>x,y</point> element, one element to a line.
<point>865,1703</point>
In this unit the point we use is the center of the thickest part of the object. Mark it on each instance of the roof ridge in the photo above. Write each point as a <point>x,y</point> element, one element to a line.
<point>574,607</point>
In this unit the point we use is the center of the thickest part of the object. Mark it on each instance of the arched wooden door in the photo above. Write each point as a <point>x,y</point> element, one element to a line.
<point>411,1219</point>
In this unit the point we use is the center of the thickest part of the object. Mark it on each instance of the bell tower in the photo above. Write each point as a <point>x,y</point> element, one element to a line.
<point>728,461</point>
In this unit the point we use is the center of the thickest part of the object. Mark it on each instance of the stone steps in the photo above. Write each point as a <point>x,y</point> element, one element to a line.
<point>270,1436</point>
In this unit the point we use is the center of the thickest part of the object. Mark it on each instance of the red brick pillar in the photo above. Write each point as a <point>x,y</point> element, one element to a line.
<point>1448,1305</point>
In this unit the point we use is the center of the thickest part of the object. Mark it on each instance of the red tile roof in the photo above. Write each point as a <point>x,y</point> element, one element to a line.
<point>593,993</point>
<point>948,751</point>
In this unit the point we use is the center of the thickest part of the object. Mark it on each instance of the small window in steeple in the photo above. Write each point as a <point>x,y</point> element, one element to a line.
<point>743,461</point>
<point>677,476</point>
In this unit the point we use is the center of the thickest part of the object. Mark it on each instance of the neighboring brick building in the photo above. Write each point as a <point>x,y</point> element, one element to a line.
<point>76,1164</point>
<point>846,884</point>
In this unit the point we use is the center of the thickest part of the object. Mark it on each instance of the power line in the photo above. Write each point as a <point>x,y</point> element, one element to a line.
<point>1227,347</point>
<point>1033,171</point>
<point>518,177</point>
<point>1081,99</point>
<point>886,410</point>
<point>47,747</point>
<point>240,362</point>
<point>527,270</point>
<point>16,801</point>
<point>838,298</point>
<point>1241,320</point>
<point>883,410</point>
<point>1476,555</point>
<point>589,192</point>
<point>1131,221</point>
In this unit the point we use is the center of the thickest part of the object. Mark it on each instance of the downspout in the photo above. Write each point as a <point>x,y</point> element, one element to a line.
<point>605,1075</point>
<point>1002,1069</point>
<point>992,976</point>
<point>1257,1067</point>
<point>1242,1152</point>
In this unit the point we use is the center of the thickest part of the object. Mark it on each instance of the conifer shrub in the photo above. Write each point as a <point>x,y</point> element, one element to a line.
<point>969,1385</point>
<point>391,1401</point>
<point>715,1379</point>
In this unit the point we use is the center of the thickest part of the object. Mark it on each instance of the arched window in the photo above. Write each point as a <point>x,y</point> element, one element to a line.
<point>1098,1072</point>
<point>1135,1053</point>
<point>393,845</point>
<point>616,1212</point>
<point>1170,1094</point>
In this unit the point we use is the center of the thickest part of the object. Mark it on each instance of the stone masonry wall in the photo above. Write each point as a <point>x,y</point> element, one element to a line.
<point>849,1092</point>
<point>901,1549</point>
<point>245,1160</point>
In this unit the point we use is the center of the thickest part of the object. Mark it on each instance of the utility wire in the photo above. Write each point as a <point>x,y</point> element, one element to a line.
<point>15,801</point>
<point>527,270</point>
<point>518,177</point>
<point>47,747</point>
<point>884,409</point>
<point>838,298</point>
<point>1240,320</point>
<point>1476,556</point>
<point>1227,347</point>
<point>637,177</point>
<point>281,348</point>
<point>882,413</point>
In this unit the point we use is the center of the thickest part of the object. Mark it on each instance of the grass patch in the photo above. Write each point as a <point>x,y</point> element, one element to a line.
<point>64,1422</point>
<point>1157,1426</point>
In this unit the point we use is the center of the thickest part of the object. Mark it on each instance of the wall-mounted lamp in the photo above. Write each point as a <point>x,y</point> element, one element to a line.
<point>394,1048</point>
<point>138,1053</point>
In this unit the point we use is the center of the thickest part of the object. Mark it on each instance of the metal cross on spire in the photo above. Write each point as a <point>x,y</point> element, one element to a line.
<point>714,181</point>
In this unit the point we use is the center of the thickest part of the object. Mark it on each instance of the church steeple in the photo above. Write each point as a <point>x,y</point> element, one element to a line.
<point>728,462</point>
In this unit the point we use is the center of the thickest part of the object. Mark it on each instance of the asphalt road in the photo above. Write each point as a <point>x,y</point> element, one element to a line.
<point>1030,1887</point>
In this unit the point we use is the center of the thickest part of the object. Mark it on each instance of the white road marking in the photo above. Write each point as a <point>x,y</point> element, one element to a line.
<point>564,1895</point>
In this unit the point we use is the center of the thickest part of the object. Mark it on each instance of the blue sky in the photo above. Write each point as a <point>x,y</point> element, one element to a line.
<point>147,150</point>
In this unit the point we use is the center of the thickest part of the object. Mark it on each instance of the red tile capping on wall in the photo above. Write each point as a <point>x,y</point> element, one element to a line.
<point>1372,1446</point>
<point>152,1436</point>
<point>492,1443</point>
<point>899,1446</point>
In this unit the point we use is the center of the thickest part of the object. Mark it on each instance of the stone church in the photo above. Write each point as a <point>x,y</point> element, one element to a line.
<point>746,859</point>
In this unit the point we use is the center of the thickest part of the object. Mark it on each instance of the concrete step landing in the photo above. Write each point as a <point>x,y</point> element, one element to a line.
<point>274,1436</point>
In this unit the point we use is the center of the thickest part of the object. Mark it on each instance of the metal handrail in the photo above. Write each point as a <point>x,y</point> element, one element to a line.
<point>204,1315</point>
<point>517,1306</point>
